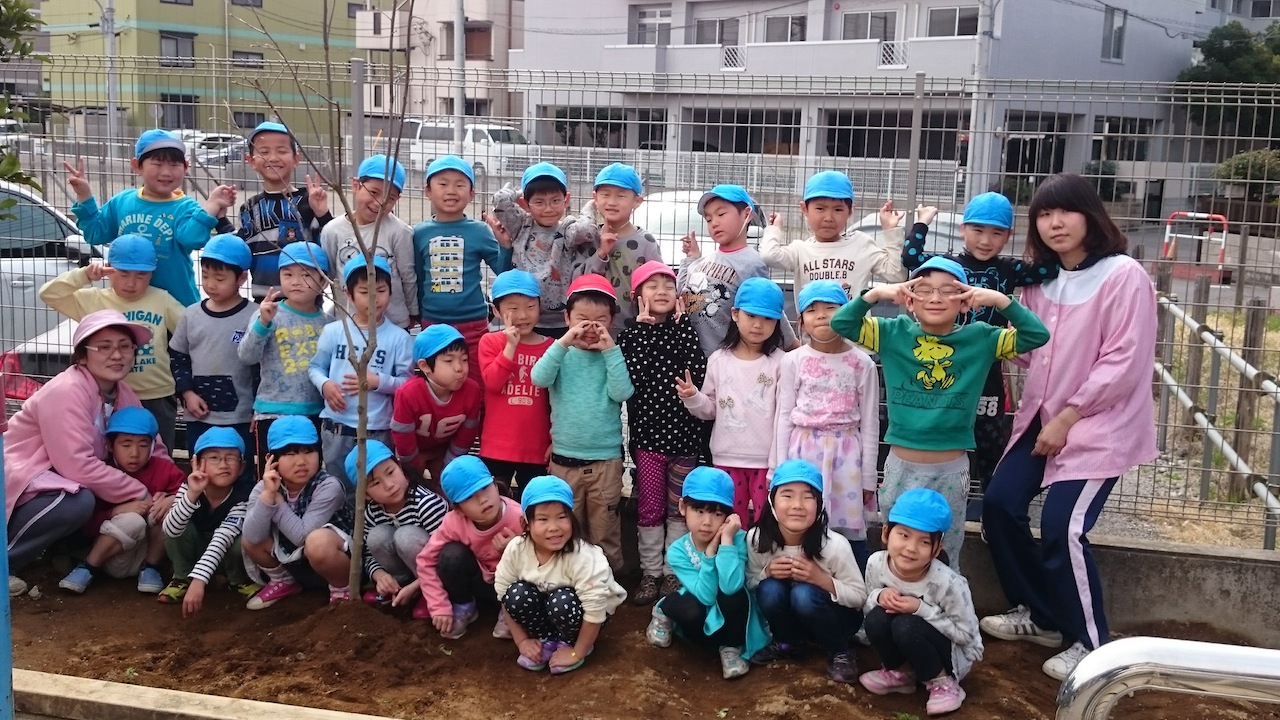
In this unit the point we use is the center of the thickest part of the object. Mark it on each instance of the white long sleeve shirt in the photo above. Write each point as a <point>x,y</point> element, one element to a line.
<point>837,559</point>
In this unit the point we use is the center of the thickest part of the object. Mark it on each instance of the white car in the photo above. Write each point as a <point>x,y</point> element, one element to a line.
<point>669,216</point>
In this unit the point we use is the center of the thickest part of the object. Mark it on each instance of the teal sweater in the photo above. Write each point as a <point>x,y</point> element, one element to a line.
<point>932,383</point>
<point>705,578</point>
<point>587,389</point>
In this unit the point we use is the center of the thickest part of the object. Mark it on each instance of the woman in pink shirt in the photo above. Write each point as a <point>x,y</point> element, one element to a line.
<point>1085,419</point>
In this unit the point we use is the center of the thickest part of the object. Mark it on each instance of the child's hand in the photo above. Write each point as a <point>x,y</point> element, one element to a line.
<point>531,648</point>
<point>977,297</point>
<point>385,583</point>
<point>220,199</point>
<point>511,332</point>
<point>270,481</point>
<point>98,271</point>
<point>890,218</point>
<point>564,656</point>
<point>317,197</point>
<point>504,538</point>
<point>689,245</point>
<point>606,340</point>
<point>680,308</point>
<point>896,293</point>
<point>775,220</point>
<point>779,568</point>
<point>642,314</point>
<point>730,528</point>
<point>926,213</point>
<point>608,241</point>
<point>78,179</point>
<point>685,387</point>
<point>160,506</point>
<point>195,405</point>
<point>444,623</point>
<point>197,481</point>
<point>574,333</point>
<point>333,396</point>
<point>351,383</point>
<point>499,231</point>
<point>193,601</point>
<point>405,595</point>
<point>889,599</point>
<point>267,309</point>
<point>805,570</point>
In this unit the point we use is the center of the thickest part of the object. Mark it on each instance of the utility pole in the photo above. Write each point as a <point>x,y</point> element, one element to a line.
<point>976,179</point>
<point>460,68</point>
<point>108,24</point>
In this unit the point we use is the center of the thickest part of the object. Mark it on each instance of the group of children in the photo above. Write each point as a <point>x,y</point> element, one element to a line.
<point>754,450</point>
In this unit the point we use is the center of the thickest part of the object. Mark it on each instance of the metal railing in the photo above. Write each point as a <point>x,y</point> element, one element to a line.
<point>733,57</point>
<point>893,54</point>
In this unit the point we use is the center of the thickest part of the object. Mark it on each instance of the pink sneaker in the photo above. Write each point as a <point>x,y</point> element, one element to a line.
<point>945,695</point>
<point>501,630</point>
<point>274,592</point>
<point>339,595</point>
<point>884,682</point>
<point>420,610</point>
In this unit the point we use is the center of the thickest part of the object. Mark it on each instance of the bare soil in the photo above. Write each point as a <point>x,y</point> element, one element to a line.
<point>358,659</point>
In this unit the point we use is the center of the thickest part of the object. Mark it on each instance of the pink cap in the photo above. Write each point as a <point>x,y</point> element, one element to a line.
<point>95,321</point>
<point>648,270</point>
<point>592,282</point>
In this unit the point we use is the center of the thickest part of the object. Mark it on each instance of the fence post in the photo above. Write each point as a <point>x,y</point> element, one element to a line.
<point>1167,325</point>
<point>357,118</point>
<point>1242,263</point>
<point>1255,322</point>
<point>1211,410</point>
<point>1164,286</point>
<point>913,162</point>
<point>1199,311</point>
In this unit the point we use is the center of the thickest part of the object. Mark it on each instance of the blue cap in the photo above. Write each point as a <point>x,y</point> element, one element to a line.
<point>759,296</point>
<point>619,175</point>
<point>433,339</point>
<point>828,291</point>
<point>228,248</point>
<point>269,126</point>
<point>452,162</point>
<point>829,184</point>
<point>515,282</point>
<point>359,263</point>
<point>547,488</point>
<point>989,208</point>
<point>946,265</point>
<point>708,484</point>
<point>375,454</point>
<point>922,509</point>
<point>544,169</point>
<point>797,471</point>
<point>219,437</point>
<point>308,254</point>
<point>291,430</point>
<point>157,139</point>
<point>376,168</point>
<point>465,476</point>
<point>728,193</point>
<point>132,252</point>
<point>133,421</point>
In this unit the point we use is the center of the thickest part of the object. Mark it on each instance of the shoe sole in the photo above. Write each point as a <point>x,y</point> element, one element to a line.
<point>898,690</point>
<point>944,711</point>
<point>735,674</point>
<point>1048,641</point>
<point>77,589</point>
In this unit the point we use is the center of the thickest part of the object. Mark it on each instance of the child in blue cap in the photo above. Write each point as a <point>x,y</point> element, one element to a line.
<point>436,414</point>
<point>920,616</point>
<point>129,271</point>
<point>374,191</point>
<point>448,250</point>
<point>988,224</point>
<point>934,371</point>
<point>176,225</point>
<point>557,588</point>
<point>515,436</point>
<point>805,577</point>
<point>829,413</point>
<point>546,241</point>
<point>624,247</point>
<point>709,284</point>
<point>714,608</point>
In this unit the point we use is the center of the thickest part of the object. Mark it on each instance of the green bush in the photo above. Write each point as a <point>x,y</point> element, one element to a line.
<point>1255,170</point>
<point>1102,173</point>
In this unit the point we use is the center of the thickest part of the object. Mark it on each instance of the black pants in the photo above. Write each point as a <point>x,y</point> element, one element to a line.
<point>688,613</point>
<point>556,615</point>
<point>908,639</point>
<point>460,574</point>
<point>991,430</point>
<point>503,471</point>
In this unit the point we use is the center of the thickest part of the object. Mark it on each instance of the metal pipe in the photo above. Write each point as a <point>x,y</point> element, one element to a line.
<point>913,160</point>
<point>357,117</point>
<point>1118,668</point>
<point>460,67</point>
<point>1251,373</point>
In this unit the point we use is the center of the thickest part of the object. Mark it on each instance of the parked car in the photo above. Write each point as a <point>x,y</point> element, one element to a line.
<point>489,148</point>
<point>669,216</point>
<point>218,150</point>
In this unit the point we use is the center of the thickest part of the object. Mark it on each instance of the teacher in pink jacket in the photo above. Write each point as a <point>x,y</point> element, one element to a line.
<point>55,453</point>
<point>1084,420</point>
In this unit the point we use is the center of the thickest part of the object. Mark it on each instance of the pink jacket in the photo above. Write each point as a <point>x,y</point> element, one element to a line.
<point>58,442</point>
<point>1099,360</point>
<point>457,528</point>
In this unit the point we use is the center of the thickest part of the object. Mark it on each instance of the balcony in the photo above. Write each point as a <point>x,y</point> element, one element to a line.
<point>383,30</point>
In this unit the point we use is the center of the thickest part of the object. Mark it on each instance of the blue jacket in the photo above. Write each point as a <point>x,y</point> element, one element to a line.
<point>705,578</point>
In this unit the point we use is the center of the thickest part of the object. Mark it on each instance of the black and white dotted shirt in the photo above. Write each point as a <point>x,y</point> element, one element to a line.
<point>656,355</point>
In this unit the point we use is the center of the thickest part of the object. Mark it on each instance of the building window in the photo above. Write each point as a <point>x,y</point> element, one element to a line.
<point>1266,8</point>
<point>178,112</point>
<point>242,58</point>
<point>1121,138</point>
<point>472,107</point>
<point>785,28</point>
<point>378,95</point>
<point>177,49</point>
<point>1235,7</point>
<point>1113,22</point>
<point>247,3</point>
<point>716,32</point>
<point>248,120</point>
<point>649,25</point>
<point>479,39</point>
<point>353,8</point>
<point>871,26</point>
<point>953,21</point>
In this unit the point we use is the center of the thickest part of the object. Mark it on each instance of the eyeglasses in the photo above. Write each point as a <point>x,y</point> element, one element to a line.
<point>223,460</point>
<point>553,204</point>
<point>109,350</point>
<point>944,293</point>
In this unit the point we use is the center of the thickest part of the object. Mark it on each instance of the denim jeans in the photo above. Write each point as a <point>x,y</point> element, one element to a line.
<point>799,611</point>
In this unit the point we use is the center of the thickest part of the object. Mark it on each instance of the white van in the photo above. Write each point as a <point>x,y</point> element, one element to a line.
<point>489,148</point>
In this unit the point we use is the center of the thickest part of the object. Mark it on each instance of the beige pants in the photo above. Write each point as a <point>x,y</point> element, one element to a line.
<point>597,497</point>
<point>131,530</point>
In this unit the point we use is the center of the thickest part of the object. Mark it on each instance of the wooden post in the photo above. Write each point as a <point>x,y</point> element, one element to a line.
<point>1164,284</point>
<point>1199,311</point>
<point>1242,264</point>
<point>1255,322</point>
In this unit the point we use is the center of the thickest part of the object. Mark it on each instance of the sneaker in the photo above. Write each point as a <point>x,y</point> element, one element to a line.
<point>884,682</point>
<point>945,695</point>
<point>173,593</point>
<point>731,663</point>
<point>150,581</point>
<point>548,649</point>
<point>274,592</point>
<point>1060,666</point>
<point>861,638</point>
<point>659,631</point>
<point>843,668</point>
<point>501,630</point>
<point>562,669</point>
<point>246,590</point>
<point>77,581</point>
<point>1017,625</point>
<point>17,585</point>
<point>670,584</point>
<point>339,595</point>
<point>463,615</point>
<point>371,598</point>
<point>647,593</point>
<point>420,610</point>
<point>776,651</point>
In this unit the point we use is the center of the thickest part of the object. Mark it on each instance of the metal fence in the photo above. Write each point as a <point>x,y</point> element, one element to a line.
<point>1151,148</point>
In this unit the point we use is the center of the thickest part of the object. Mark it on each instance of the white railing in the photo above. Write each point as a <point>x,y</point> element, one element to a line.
<point>893,53</point>
<point>733,57</point>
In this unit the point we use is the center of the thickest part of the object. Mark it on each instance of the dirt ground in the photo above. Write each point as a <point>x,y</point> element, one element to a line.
<point>354,658</point>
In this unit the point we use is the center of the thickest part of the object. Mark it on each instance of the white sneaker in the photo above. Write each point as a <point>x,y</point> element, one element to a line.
<point>1060,666</point>
<point>731,663</point>
<point>1017,625</point>
<point>660,628</point>
<point>17,585</point>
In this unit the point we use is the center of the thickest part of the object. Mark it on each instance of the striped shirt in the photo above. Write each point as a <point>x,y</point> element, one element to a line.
<point>421,507</point>
<point>228,529</point>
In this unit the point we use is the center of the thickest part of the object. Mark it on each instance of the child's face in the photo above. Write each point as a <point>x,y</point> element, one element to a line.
<point>726,223</point>
<point>659,292</point>
<point>546,208</point>
<point>827,218</point>
<point>221,465</point>
<point>795,505</point>
<point>754,329</point>
<point>1063,231</point>
<point>130,284</point>
<point>519,311</point>
<point>368,199</point>
<point>550,527</point>
<point>597,313</point>
<point>387,484</point>
<point>450,370</point>
<point>935,300</point>
<point>300,284</point>
<point>273,156</point>
<point>984,241</point>
<point>221,285</point>
<point>370,305</point>
<point>816,321</point>
<point>130,452</point>
<point>703,524</point>
<point>484,508</point>
<point>296,468</point>
<point>616,204</point>
<point>450,192</point>
<point>910,550</point>
<point>160,175</point>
